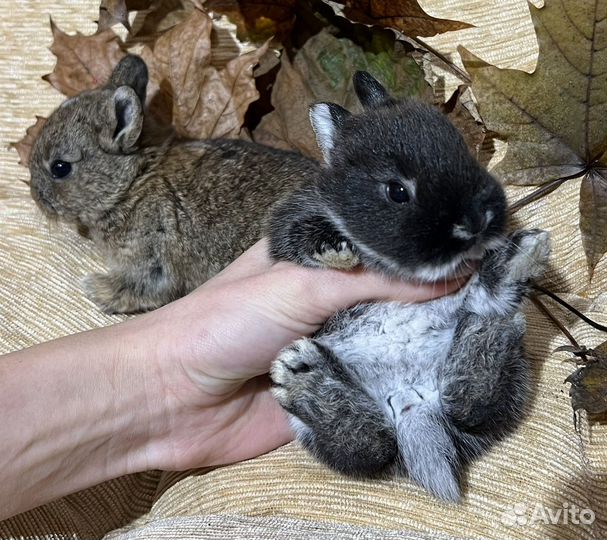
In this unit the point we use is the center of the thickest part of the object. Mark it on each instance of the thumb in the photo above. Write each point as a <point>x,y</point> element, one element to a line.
<point>320,293</point>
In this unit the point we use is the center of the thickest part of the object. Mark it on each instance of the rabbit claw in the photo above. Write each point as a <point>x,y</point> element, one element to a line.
<point>341,256</point>
<point>293,370</point>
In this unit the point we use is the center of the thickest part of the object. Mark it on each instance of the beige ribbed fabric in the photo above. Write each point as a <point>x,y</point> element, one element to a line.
<point>546,465</point>
<point>252,528</point>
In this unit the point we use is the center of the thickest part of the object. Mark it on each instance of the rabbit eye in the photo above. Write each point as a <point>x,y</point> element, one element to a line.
<point>60,169</point>
<point>397,192</point>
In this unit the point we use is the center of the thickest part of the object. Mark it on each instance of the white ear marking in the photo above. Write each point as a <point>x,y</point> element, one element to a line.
<point>323,125</point>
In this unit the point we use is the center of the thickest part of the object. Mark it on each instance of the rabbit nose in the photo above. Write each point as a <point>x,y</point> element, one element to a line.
<point>43,198</point>
<point>469,230</point>
<point>472,224</point>
<point>476,224</point>
<point>41,193</point>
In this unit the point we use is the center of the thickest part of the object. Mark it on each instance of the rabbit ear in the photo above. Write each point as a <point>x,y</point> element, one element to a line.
<point>124,122</point>
<point>327,119</point>
<point>131,71</point>
<point>369,91</point>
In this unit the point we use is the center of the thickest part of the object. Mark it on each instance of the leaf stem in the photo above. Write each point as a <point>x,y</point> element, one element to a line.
<point>456,70</point>
<point>535,195</point>
<point>569,307</point>
<point>543,190</point>
<point>541,307</point>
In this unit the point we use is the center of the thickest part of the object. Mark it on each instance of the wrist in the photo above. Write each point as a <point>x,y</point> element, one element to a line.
<point>167,399</point>
<point>144,406</point>
<point>80,411</point>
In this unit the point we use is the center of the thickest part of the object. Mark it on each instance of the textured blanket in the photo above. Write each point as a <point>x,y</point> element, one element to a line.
<point>514,492</point>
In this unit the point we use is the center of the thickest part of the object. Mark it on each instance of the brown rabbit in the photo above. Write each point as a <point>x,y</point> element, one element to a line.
<point>166,217</point>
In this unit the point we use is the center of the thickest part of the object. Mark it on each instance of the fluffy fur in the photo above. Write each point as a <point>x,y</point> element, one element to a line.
<point>419,389</point>
<point>166,217</point>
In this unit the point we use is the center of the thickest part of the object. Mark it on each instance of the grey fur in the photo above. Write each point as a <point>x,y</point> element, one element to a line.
<point>167,218</point>
<point>418,389</point>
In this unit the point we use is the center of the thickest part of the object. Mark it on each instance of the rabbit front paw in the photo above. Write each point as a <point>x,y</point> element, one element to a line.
<point>334,418</point>
<point>341,255</point>
<point>530,254</point>
<point>297,374</point>
<point>506,272</point>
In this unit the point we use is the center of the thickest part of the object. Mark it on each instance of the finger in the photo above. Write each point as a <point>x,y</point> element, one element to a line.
<point>312,295</point>
<point>340,290</point>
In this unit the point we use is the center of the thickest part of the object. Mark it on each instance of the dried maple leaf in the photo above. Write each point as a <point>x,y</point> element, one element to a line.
<point>555,119</point>
<point>159,17</point>
<point>406,16</point>
<point>24,146</point>
<point>588,389</point>
<point>322,71</point>
<point>113,12</point>
<point>137,5</point>
<point>117,11</point>
<point>288,125</point>
<point>83,62</point>
<point>204,101</point>
<point>257,20</point>
<point>472,130</point>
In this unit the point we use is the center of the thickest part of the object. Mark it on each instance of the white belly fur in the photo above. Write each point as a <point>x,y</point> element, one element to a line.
<point>395,350</point>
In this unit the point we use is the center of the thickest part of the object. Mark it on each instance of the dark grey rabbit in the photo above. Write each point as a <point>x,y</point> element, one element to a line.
<point>417,389</point>
<point>166,217</point>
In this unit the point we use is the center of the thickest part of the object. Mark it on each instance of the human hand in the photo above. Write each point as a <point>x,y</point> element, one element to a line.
<point>180,387</point>
<point>218,344</point>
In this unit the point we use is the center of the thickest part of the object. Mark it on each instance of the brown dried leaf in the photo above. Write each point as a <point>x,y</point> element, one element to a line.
<point>162,15</point>
<point>158,17</point>
<point>554,119</point>
<point>138,5</point>
<point>288,126</point>
<point>257,20</point>
<point>204,101</point>
<point>588,389</point>
<point>322,71</point>
<point>113,12</point>
<point>600,351</point>
<point>24,146</point>
<point>405,16</point>
<point>83,62</point>
<point>460,116</point>
<point>593,215</point>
